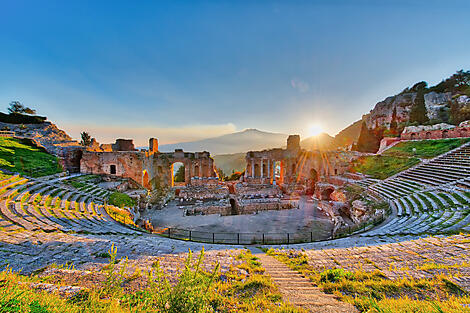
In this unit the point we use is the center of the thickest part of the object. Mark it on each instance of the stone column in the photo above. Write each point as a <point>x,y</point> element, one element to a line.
<point>262,168</point>
<point>269,168</point>
<point>252,168</point>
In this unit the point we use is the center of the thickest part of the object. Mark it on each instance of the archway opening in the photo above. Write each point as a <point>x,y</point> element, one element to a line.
<point>428,135</point>
<point>445,134</point>
<point>112,169</point>
<point>257,170</point>
<point>233,207</point>
<point>278,172</point>
<point>196,171</point>
<point>326,194</point>
<point>413,136</point>
<point>178,174</point>
<point>463,133</point>
<point>145,179</point>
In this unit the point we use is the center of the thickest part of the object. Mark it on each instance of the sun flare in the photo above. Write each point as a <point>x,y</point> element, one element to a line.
<point>315,130</point>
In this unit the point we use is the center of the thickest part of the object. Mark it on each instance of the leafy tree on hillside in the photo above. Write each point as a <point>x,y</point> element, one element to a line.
<point>368,139</point>
<point>393,123</point>
<point>179,175</point>
<point>86,139</point>
<point>418,110</point>
<point>17,107</point>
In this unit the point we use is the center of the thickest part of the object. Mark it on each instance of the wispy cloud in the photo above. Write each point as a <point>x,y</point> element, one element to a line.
<point>299,85</point>
<point>165,135</point>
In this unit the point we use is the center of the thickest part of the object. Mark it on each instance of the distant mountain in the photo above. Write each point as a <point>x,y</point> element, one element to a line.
<point>322,141</point>
<point>230,162</point>
<point>249,139</point>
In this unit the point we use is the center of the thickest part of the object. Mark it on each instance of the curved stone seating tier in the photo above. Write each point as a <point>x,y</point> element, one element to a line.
<point>43,206</point>
<point>431,197</point>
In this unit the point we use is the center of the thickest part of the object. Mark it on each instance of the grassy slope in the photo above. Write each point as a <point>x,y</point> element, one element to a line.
<point>425,148</point>
<point>20,156</point>
<point>402,156</point>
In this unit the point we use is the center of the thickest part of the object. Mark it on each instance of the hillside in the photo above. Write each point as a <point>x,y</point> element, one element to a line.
<point>403,156</point>
<point>22,156</point>
<point>249,139</point>
<point>230,162</point>
<point>322,141</point>
<point>349,135</point>
<point>446,102</point>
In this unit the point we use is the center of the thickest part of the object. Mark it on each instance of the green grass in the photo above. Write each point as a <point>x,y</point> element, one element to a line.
<point>243,288</point>
<point>21,156</point>
<point>374,292</point>
<point>121,200</point>
<point>425,148</point>
<point>381,167</point>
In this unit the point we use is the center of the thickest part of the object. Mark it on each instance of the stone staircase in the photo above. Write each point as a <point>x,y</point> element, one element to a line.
<point>299,290</point>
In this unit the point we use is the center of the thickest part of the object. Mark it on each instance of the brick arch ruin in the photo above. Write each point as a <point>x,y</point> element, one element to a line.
<point>296,165</point>
<point>149,168</point>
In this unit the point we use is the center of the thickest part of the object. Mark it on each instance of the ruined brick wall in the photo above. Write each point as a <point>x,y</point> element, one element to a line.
<point>456,132</point>
<point>123,164</point>
<point>295,165</point>
<point>150,168</point>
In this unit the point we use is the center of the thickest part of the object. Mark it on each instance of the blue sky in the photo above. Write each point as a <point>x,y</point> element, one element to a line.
<point>184,70</point>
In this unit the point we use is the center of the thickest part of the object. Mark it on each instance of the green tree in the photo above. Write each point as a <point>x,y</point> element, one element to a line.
<point>86,139</point>
<point>368,139</point>
<point>393,123</point>
<point>418,111</point>
<point>179,175</point>
<point>17,107</point>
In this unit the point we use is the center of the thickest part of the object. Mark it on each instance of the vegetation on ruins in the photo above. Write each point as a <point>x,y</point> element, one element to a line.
<point>372,291</point>
<point>22,156</point>
<point>85,139</point>
<point>243,288</point>
<point>121,200</point>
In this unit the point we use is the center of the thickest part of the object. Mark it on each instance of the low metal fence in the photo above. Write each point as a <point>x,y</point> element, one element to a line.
<point>262,238</point>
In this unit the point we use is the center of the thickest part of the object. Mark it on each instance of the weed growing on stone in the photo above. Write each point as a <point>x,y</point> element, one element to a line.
<point>374,292</point>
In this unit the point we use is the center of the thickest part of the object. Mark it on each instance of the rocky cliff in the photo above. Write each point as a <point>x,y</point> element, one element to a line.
<point>447,102</point>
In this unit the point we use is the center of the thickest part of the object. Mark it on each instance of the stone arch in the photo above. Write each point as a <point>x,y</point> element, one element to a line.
<point>278,169</point>
<point>145,179</point>
<point>326,193</point>
<point>265,168</point>
<point>196,170</point>
<point>428,135</point>
<point>175,179</point>
<point>463,132</point>
<point>257,170</point>
<point>445,134</point>
<point>413,136</point>
<point>313,175</point>
<point>233,207</point>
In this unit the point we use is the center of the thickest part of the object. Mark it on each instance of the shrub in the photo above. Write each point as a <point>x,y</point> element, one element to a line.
<point>121,200</point>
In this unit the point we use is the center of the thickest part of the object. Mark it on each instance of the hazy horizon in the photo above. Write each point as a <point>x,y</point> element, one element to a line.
<point>192,70</point>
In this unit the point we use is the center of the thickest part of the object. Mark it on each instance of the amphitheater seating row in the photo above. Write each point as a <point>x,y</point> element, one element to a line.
<point>433,197</point>
<point>40,206</point>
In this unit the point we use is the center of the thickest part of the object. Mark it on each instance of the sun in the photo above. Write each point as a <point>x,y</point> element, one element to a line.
<point>315,130</point>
